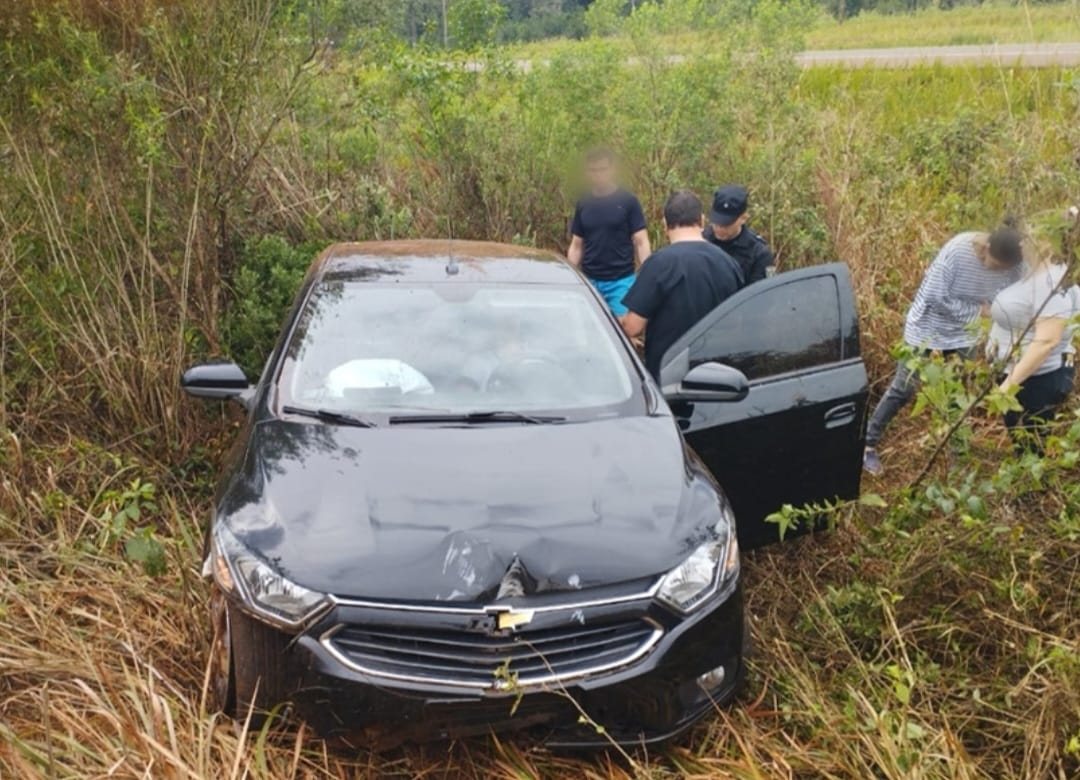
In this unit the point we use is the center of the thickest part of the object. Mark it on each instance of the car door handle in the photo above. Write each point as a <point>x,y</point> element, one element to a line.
<point>841,415</point>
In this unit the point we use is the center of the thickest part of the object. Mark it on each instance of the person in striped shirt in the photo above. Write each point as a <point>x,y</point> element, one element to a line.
<point>956,291</point>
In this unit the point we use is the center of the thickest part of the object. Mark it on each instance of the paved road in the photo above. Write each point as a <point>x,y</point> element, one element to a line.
<point>1029,55</point>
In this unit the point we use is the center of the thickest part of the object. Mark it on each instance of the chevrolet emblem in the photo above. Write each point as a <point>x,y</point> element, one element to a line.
<point>512,619</point>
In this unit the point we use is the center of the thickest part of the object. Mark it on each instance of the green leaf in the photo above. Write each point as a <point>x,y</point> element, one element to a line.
<point>1072,747</point>
<point>932,373</point>
<point>872,499</point>
<point>999,403</point>
<point>921,402</point>
<point>914,730</point>
<point>143,548</point>
<point>786,519</point>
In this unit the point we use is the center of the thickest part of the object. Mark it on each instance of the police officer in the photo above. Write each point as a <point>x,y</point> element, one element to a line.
<point>728,230</point>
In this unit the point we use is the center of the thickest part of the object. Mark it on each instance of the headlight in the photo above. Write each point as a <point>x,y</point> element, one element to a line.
<point>692,582</point>
<point>237,570</point>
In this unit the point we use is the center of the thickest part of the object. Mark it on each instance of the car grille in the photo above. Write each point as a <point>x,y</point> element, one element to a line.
<point>528,658</point>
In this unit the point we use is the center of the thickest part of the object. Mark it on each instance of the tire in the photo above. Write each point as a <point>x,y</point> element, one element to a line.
<point>222,677</point>
<point>255,677</point>
<point>742,681</point>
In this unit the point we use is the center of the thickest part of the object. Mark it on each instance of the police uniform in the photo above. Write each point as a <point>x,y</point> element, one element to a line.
<point>748,249</point>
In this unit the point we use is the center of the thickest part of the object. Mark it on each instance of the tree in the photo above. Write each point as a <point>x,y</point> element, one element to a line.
<point>602,17</point>
<point>424,20</point>
<point>473,23</point>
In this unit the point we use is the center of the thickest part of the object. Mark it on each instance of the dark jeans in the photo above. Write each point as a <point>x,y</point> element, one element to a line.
<point>904,386</point>
<point>1042,397</point>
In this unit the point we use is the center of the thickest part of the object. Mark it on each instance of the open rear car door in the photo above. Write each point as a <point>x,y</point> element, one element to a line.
<point>797,436</point>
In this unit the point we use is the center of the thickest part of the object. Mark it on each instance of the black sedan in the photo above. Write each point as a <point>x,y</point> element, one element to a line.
<point>459,503</point>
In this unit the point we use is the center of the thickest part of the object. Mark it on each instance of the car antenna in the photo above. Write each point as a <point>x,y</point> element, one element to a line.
<point>452,263</point>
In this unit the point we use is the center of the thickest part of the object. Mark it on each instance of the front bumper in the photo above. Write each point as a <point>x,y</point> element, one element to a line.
<point>653,698</point>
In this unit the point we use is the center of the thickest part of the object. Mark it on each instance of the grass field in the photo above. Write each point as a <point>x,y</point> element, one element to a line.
<point>1004,23</point>
<point>1023,23</point>
<point>158,206</point>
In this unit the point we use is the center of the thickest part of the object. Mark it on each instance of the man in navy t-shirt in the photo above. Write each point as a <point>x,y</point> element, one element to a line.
<point>680,283</point>
<point>608,231</point>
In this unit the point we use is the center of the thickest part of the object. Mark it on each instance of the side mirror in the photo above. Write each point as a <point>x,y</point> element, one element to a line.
<point>710,382</point>
<point>220,380</point>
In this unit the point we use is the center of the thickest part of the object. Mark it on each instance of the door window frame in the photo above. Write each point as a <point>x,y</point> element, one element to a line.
<point>675,363</point>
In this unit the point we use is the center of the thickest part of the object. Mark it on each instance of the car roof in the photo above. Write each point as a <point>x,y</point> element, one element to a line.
<point>426,260</point>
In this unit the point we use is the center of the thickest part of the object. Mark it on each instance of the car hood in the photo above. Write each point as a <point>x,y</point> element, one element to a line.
<point>441,513</point>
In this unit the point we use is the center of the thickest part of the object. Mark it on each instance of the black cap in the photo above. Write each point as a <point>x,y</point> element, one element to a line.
<point>729,203</point>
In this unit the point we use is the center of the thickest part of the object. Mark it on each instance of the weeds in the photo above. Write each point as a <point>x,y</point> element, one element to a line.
<point>165,177</point>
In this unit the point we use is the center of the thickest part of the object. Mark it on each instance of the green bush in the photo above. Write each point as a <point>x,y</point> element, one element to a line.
<point>159,204</point>
<point>263,289</point>
<point>134,164</point>
<point>474,23</point>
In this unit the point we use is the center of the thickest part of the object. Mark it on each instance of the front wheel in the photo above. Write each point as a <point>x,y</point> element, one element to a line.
<point>250,670</point>
<point>222,679</point>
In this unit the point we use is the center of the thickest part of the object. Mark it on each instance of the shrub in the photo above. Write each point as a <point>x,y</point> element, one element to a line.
<point>168,178</point>
<point>137,164</point>
<point>263,289</point>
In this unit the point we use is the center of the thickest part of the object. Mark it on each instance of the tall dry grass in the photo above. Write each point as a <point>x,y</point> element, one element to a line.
<point>138,170</point>
<point>131,167</point>
<point>874,658</point>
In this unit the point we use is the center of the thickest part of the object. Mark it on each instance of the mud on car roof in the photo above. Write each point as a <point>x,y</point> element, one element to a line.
<point>427,260</point>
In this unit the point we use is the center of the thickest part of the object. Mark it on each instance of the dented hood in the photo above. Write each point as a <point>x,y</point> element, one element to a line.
<point>441,513</point>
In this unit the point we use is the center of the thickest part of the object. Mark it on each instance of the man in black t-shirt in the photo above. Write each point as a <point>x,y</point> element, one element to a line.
<point>608,231</point>
<point>680,283</point>
<point>728,230</point>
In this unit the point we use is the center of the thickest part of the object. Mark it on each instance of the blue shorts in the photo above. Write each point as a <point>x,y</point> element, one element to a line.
<point>613,291</point>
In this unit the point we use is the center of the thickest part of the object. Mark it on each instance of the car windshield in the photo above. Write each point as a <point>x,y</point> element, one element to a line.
<point>366,348</point>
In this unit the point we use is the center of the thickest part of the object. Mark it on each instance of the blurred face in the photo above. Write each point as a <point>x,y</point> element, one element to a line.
<point>600,174</point>
<point>990,262</point>
<point>993,264</point>
<point>731,231</point>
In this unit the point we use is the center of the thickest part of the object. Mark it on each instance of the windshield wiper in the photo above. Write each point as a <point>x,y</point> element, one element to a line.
<point>476,418</point>
<point>329,416</point>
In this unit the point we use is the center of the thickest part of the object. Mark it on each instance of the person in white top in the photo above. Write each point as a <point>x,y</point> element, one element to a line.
<point>955,293</point>
<point>1032,339</point>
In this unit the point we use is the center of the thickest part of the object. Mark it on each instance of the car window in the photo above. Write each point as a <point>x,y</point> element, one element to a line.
<point>457,348</point>
<point>757,336</point>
